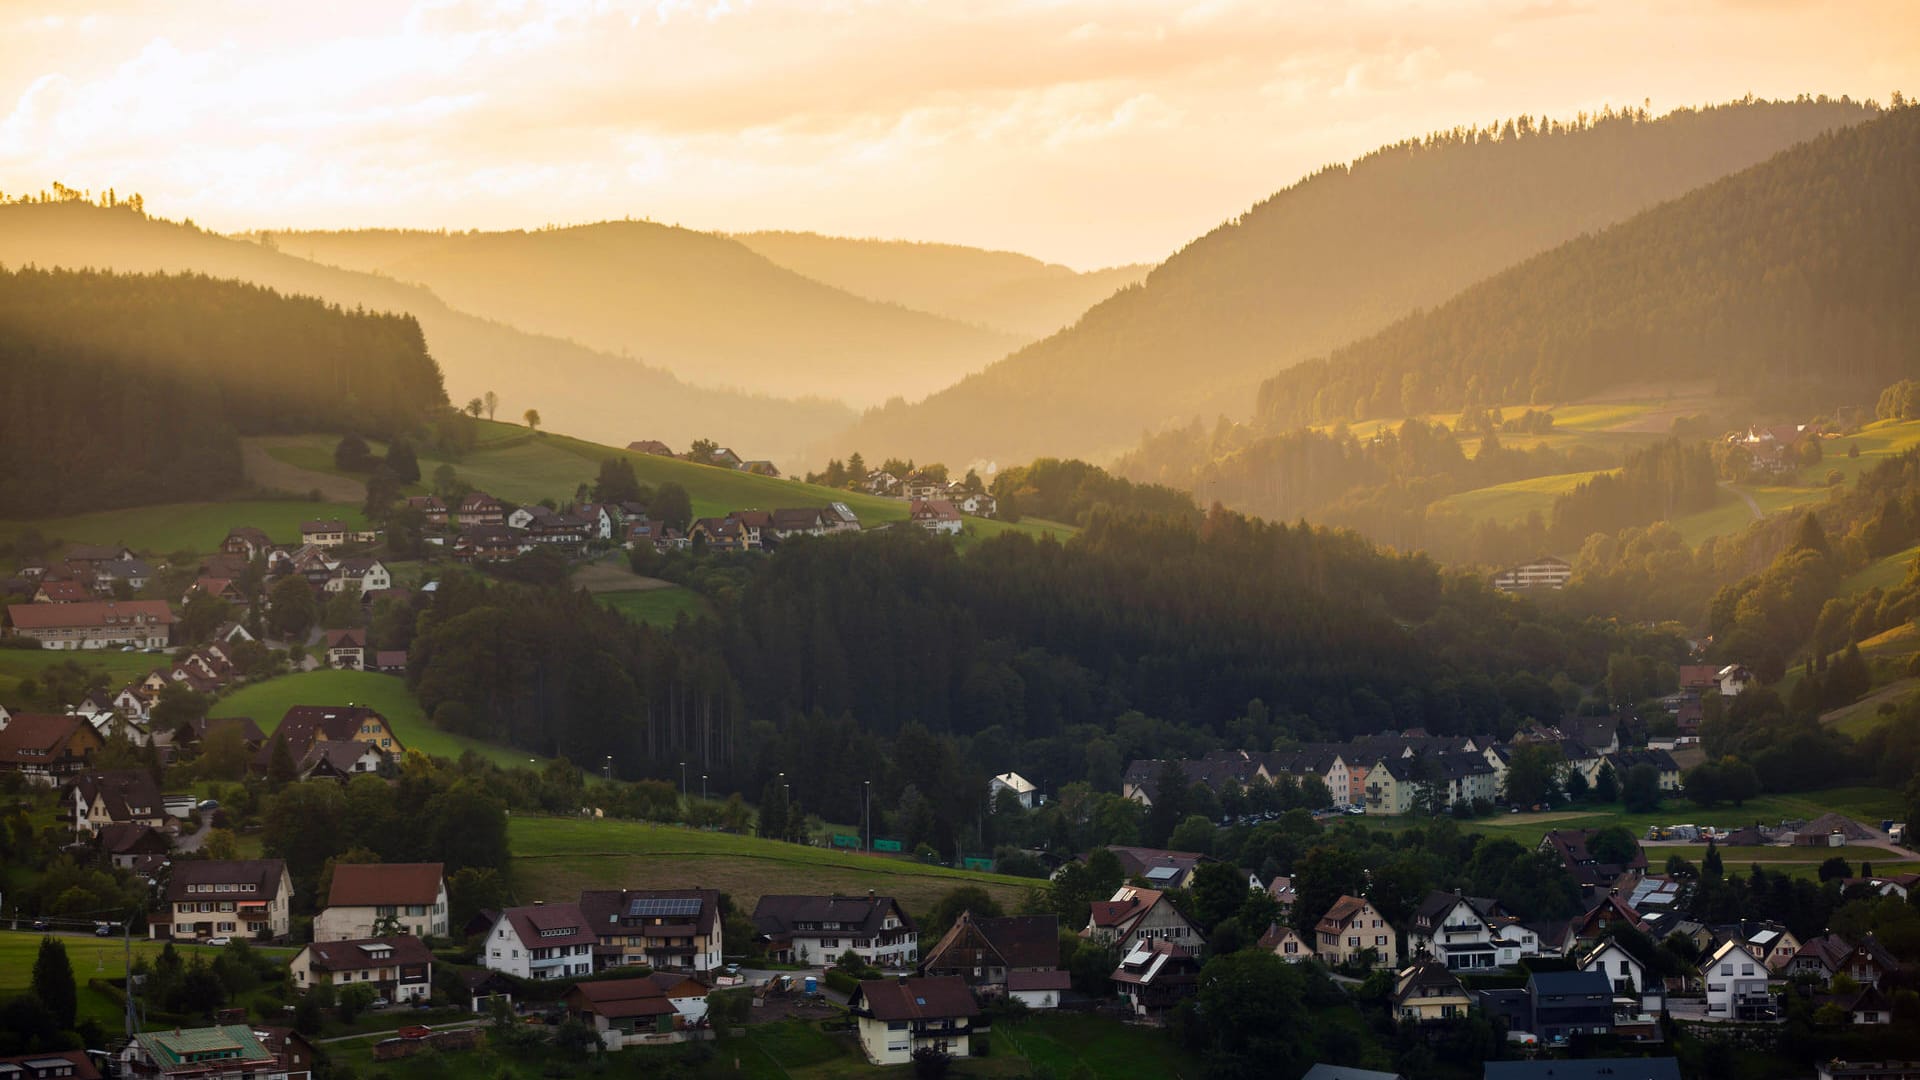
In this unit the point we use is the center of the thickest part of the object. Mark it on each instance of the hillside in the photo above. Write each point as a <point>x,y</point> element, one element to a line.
<point>1012,293</point>
<point>1333,258</point>
<point>1792,281</point>
<point>703,306</point>
<point>575,388</point>
<point>156,375</point>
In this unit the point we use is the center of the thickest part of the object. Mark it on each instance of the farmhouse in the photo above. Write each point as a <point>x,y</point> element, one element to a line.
<point>993,951</point>
<point>326,533</point>
<point>665,929</point>
<point>347,649</point>
<point>622,1012</point>
<point>304,725</point>
<point>399,967</point>
<point>545,941</point>
<point>222,897</point>
<point>819,929</point>
<point>381,899</point>
<point>937,516</point>
<point>43,748</point>
<point>480,508</point>
<point>121,797</point>
<point>898,1017</point>
<point>96,624</point>
<point>1135,915</point>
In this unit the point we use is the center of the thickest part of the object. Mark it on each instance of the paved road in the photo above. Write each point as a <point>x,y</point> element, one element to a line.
<point>191,842</point>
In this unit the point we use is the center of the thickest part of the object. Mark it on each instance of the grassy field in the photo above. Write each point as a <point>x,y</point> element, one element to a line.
<point>554,858</point>
<point>120,668</point>
<point>268,701</point>
<point>1882,574</point>
<point>800,1050</point>
<point>92,958</point>
<point>191,527</point>
<point>1510,503</point>
<point>1868,805</point>
<point>656,607</point>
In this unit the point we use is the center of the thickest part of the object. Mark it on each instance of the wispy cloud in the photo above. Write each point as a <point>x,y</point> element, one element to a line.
<point>1088,131</point>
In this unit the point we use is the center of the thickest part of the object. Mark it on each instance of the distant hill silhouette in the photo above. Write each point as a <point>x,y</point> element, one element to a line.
<point>1334,258</point>
<point>1801,271</point>
<point>127,389</point>
<point>703,306</point>
<point>1015,294</point>
<point>576,389</point>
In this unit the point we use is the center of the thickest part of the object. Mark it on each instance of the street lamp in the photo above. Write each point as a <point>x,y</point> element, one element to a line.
<point>608,768</point>
<point>683,781</point>
<point>703,787</point>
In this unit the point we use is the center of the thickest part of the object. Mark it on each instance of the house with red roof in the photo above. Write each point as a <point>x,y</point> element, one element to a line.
<point>96,624</point>
<point>1134,914</point>
<point>993,951</point>
<point>381,899</point>
<point>44,748</point>
<point>544,941</point>
<point>1350,928</point>
<point>400,967</point>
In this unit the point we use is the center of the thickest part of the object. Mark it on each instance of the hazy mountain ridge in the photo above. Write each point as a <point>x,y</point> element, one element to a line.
<point>575,388</point>
<point>1331,259</point>
<point>1006,291</point>
<point>704,306</point>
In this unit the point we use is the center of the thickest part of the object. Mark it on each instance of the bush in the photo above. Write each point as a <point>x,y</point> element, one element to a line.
<point>842,981</point>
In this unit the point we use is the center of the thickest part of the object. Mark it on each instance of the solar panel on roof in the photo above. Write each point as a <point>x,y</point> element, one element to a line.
<point>671,905</point>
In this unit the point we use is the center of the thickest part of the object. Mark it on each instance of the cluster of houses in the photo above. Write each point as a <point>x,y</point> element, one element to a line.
<point>1775,448</point>
<point>485,529</point>
<point>1602,987</point>
<point>924,487</point>
<point>1699,682</point>
<point>722,457</point>
<point>1393,773</point>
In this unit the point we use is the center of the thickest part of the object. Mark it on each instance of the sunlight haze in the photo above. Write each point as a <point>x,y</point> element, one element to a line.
<point>1086,133</point>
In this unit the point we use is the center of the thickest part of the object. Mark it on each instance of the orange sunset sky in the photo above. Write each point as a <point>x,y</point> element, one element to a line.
<point>1089,133</point>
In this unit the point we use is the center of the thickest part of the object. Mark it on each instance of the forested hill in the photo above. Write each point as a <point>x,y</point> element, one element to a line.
<point>705,307</point>
<point>1796,276</point>
<point>127,389</point>
<point>1013,293</point>
<point>592,394</point>
<point>1335,257</point>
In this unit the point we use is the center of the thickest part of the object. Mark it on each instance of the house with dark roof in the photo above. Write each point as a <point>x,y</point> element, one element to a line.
<point>381,899</point>
<point>1426,991</point>
<point>304,725</point>
<point>651,446</point>
<point>347,649</point>
<point>665,929</point>
<point>1134,914</point>
<point>338,761</point>
<point>1461,933</point>
<point>44,748</point>
<point>489,543</point>
<point>119,797</point>
<point>543,941</point>
<point>1155,976</point>
<point>820,929</point>
<point>209,898</point>
<point>324,532</point>
<point>1286,943</point>
<point>896,1017</point>
<point>139,848</point>
<point>623,1012</point>
<point>1159,868</point>
<point>399,966</point>
<point>1595,878</point>
<point>991,951</point>
<point>1562,1004</point>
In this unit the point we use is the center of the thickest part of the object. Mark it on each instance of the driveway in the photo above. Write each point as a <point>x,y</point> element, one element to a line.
<point>188,843</point>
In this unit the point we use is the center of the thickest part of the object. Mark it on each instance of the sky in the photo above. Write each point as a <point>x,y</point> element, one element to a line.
<point>1082,132</point>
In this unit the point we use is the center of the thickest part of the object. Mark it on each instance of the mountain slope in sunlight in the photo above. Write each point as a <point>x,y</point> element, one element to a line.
<point>1331,259</point>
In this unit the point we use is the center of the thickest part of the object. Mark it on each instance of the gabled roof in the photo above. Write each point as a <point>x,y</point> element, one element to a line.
<point>263,874</point>
<point>352,638</point>
<point>126,792</point>
<point>934,997</point>
<point>1338,915</point>
<point>92,615</point>
<point>1128,903</point>
<point>370,884</point>
<point>34,738</point>
<point>620,999</point>
<point>1570,983</point>
<point>777,914</point>
<point>1428,979</point>
<point>604,908</point>
<point>127,838</point>
<point>566,923</point>
<point>368,952</point>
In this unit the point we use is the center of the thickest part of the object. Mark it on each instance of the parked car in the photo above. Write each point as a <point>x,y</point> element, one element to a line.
<point>207,804</point>
<point>42,924</point>
<point>220,942</point>
<point>414,1031</point>
<point>101,929</point>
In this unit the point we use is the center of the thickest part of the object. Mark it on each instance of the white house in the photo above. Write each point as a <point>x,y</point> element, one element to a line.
<point>1038,989</point>
<point>1135,915</point>
<point>1627,975</point>
<point>1457,931</point>
<point>819,929</point>
<point>1737,985</point>
<point>897,1017</point>
<point>1022,788</point>
<point>400,968</point>
<point>937,516</point>
<point>545,941</point>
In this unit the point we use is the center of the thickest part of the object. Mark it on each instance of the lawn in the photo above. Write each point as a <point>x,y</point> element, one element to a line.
<point>657,607</point>
<point>268,701</point>
<point>91,958</point>
<point>196,527</point>
<point>1868,805</point>
<point>1881,574</point>
<point>554,858</point>
<point>119,667</point>
<point>1510,503</point>
<point>1062,1042</point>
